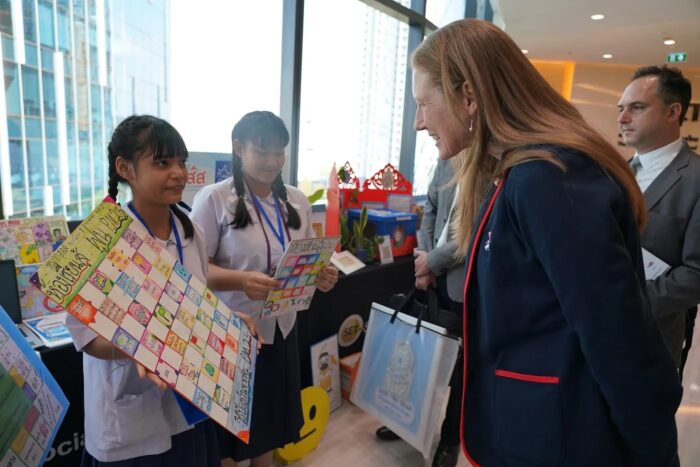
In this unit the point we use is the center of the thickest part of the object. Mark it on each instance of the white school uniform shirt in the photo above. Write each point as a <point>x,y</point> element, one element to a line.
<point>126,416</point>
<point>245,249</point>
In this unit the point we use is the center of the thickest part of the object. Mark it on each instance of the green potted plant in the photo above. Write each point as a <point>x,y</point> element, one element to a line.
<point>355,240</point>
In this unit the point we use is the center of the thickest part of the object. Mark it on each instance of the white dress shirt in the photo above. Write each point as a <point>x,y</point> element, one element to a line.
<point>654,162</point>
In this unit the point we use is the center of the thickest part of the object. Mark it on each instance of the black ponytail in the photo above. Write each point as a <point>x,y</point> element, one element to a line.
<point>137,134</point>
<point>278,188</point>
<point>264,129</point>
<point>241,217</point>
<point>184,219</point>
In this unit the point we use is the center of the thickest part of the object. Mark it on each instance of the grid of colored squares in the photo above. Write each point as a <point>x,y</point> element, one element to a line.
<point>298,274</point>
<point>147,304</point>
<point>27,409</point>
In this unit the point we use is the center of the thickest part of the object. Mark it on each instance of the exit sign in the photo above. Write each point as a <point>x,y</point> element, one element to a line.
<point>677,57</point>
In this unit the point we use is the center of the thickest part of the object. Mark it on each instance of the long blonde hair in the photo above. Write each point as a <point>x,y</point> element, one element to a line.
<point>516,107</point>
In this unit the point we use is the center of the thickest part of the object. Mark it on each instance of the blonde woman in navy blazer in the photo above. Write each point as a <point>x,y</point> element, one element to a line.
<point>564,364</point>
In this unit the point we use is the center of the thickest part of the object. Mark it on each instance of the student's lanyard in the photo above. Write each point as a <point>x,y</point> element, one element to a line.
<point>178,243</point>
<point>279,232</point>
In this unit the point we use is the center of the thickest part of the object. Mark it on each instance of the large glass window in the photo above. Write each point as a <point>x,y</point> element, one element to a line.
<point>352,98</point>
<point>29,20</point>
<point>11,88</point>
<point>237,45</point>
<point>442,12</point>
<point>8,47</point>
<point>5,17</point>
<point>425,162</point>
<point>49,90</point>
<point>14,128</point>
<point>63,30</point>
<point>46,23</point>
<point>30,87</point>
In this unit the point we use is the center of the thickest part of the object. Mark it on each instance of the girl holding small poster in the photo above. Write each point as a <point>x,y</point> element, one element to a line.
<point>248,220</point>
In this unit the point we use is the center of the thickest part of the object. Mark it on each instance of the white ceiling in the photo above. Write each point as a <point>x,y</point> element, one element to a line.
<point>632,31</point>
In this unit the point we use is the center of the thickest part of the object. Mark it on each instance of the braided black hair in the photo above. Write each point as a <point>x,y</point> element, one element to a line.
<point>265,130</point>
<point>133,137</point>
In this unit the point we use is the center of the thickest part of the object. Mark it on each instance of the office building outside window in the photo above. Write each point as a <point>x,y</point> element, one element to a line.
<point>72,70</point>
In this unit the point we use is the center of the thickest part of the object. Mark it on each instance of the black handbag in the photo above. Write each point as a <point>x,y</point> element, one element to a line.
<point>424,306</point>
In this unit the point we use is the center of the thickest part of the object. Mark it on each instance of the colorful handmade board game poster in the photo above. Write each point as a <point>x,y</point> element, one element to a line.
<point>325,368</point>
<point>298,271</point>
<point>30,242</point>
<point>114,277</point>
<point>32,406</point>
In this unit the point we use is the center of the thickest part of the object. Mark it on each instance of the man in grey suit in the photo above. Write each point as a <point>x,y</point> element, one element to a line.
<point>652,109</point>
<point>436,267</point>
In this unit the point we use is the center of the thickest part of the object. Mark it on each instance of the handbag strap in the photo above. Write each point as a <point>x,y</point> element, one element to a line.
<point>409,299</point>
<point>433,306</point>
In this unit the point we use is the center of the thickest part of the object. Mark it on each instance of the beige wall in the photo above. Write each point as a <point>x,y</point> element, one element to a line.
<point>596,88</point>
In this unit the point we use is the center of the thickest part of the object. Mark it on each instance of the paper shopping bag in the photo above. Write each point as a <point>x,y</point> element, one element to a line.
<point>404,374</point>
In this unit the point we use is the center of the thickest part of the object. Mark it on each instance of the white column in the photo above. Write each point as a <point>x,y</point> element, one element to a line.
<point>101,43</point>
<point>59,80</point>
<point>18,30</point>
<point>5,176</point>
<point>48,200</point>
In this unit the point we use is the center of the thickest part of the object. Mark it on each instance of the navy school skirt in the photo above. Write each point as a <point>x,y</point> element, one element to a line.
<point>277,415</point>
<point>192,448</point>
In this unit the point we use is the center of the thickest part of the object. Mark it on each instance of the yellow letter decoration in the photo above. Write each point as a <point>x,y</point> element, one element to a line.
<point>316,407</point>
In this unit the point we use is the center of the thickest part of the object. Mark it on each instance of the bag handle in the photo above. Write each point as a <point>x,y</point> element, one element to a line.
<point>433,306</point>
<point>408,299</point>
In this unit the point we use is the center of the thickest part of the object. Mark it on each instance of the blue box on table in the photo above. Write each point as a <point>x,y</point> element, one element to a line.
<point>400,226</point>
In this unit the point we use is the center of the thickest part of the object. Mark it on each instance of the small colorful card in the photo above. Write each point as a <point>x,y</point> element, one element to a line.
<point>32,406</point>
<point>114,277</point>
<point>298,271</point>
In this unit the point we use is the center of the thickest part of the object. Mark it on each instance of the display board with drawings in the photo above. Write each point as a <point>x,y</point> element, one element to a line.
<point>298,271</point>
<point>32,405</point>
<point>114,277</point>
<point>29,242</point>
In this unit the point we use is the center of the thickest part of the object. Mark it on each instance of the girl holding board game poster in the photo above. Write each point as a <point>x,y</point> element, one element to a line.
<point>248,220</point>
<point>131,417</point>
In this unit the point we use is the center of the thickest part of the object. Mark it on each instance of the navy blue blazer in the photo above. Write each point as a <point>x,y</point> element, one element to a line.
<point>565,364</point>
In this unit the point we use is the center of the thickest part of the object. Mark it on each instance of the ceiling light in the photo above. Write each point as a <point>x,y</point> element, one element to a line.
<point>607,56</point>
<point>525,51</point>
<point>669,42</point>
<point>597,17</point>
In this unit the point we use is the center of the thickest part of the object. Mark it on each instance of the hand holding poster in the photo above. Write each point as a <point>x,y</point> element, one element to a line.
<point>32,405</point>
<point>111,275</point>
<point>298,271</point>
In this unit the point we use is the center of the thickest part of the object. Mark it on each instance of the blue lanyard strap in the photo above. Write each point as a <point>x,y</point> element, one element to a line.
<point>279,232</point>
<point>178,243</point>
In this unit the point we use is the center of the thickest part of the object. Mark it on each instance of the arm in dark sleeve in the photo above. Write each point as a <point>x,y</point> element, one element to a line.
<point>679,288</point>
<point>571,222</point>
